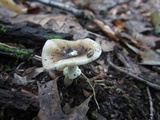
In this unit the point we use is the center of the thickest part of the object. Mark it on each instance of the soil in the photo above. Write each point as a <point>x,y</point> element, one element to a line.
<point>119,96</point>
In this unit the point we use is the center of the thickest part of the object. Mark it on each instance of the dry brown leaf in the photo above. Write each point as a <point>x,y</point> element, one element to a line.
<point>70,25</point>
<point>58,23</point>
<point>106,29</point>
<point>86,93</point>
<point>28,70</point>
<point>13,6</point>
<point>139,40</point>
<point>149,57</point>
<point>32,72</point>
<point>60,20</point>
<point>31,18</point>
<point>126,38</point>
<point>50,105</point>
<point>118,23</point>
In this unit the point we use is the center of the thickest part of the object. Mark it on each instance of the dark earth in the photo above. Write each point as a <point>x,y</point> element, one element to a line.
<point>130,95</point>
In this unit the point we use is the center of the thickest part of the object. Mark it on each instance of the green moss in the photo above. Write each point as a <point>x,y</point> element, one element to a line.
<point>53,37</point>
<point>3,28</point>
<point>16,52</point>
<point>20,53</point>
<point>5,47</point>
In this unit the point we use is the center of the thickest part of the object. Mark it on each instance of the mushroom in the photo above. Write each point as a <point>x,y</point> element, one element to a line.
<point>66,56</point>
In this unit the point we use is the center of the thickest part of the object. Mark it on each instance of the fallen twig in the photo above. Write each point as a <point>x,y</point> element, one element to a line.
<point>150,103</point>
<point>94,93</point>
<point>78,13</point>
<point>155,86</point>
<point>129,65</point>
<point>17,52</point>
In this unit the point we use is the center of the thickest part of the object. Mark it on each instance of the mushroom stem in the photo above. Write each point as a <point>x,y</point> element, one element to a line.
<point>71,73</point>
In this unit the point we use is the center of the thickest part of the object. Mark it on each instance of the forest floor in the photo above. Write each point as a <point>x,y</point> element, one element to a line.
<point>122,84</point>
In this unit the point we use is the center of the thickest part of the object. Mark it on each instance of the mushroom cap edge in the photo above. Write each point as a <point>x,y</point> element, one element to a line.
<point>52,45</point>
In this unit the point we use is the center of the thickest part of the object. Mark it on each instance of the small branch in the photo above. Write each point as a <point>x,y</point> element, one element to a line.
<point>78,13</point>
<point>155,86</point>
<point>150,103</point>
<point>129,65</point>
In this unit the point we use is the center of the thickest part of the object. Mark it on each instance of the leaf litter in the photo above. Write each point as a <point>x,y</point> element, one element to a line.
<point>132,26</point>
<point>50,104</point>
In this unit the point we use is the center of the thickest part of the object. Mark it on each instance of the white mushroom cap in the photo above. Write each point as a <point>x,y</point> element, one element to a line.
<point>58,54</point>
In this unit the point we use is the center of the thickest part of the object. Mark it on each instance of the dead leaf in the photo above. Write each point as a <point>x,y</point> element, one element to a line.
<point>69,24</point>
<point>106,29</point>
<point>127,38</point>
<point>7,13</point>
<point>101,5</point>
<point>77,113</point>
<point>13,6</point>
<point>86,93</point>
<point>22,80</point>
<point>19,80</point>
<point>80,111</point>
<point>32,72</point>
<point>149,57</point>
<point>31,18</point>
<point>58,23</point>
<point>144,41</point>
<point>139,40</point>
<point>137,26</point>
<point>118,23</point>
<point>60,20</point>
<point>50,105</point>
<point>105,45</point>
